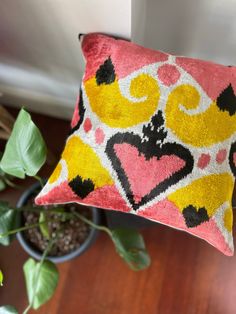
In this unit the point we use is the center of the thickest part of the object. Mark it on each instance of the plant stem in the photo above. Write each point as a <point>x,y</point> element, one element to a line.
<point>36,275</point>
<point>40,180</point>
<point>67,215</point>
<point>27,309</point>
<point>81,217</point>
<point>11,184</point>
<point>3,235</point>
<point>39,210</point>
<point>89,222</point>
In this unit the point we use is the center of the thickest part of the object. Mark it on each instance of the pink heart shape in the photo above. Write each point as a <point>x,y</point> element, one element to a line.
<point>144,175</point>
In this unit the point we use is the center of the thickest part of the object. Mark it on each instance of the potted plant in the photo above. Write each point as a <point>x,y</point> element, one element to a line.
<point>50,234</point>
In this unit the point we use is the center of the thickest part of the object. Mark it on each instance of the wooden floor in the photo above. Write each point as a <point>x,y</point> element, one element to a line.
<point>187,275</point>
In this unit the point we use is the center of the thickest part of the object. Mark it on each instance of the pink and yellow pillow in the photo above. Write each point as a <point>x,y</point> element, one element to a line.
<point>154,135</point>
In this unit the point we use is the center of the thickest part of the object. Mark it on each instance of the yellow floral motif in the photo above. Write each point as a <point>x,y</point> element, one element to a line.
<point>56,174</point>
<point>82,160</point>
<point>228,219</point>
<point>117,111</point>
<point>209,192</point>
<point>201,129</point>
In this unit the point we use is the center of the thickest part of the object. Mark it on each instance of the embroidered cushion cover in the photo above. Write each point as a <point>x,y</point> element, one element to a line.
<point>154,135</point>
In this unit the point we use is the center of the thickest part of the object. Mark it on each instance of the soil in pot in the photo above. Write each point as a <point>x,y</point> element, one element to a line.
<point>70,234</point>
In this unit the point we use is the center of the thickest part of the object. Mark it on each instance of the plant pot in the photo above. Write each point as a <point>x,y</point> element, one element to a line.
<point>32,251</point>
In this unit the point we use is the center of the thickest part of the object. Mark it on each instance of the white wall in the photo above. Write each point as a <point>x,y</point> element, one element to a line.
<point>204,29</point>
<point>40,60</point>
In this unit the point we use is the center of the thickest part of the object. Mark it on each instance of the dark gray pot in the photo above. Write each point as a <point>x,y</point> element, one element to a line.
<point>96,218</point>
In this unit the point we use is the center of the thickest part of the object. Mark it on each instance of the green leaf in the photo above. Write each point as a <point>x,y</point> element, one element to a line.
<point>2,174</point>
<point>8,309</point>
<point>25,152</point>
<point>9,220</point>
<point>131,247</point>
<point>41,281</point>
<point>2,185</point>
<point>1,278</point>
<point>44,225</point>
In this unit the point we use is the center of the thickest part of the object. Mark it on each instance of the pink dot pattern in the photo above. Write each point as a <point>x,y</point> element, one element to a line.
<point>203,161</point>
<point>221,155</point>
<point>168,74</point>
<point>99,136</point>
<point>87,125</point>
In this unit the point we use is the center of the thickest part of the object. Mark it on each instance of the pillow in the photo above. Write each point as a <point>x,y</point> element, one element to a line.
<point>154,135</point>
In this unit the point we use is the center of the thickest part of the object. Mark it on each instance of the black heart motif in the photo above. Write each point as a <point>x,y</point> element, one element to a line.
<point>232,158</point>
<point>194,217</point>
<point>81,111</point>
<point>106,73</point>
<point>81,187</point>
<point>226,101</point>
<point>147,154</point>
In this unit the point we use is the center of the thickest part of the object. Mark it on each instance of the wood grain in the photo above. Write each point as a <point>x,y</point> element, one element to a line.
<point>187,276</point>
